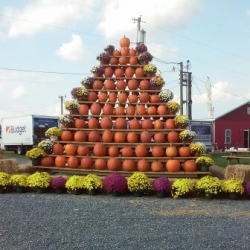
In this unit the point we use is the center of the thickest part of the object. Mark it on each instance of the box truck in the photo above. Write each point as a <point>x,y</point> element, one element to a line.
<point>21,133</point>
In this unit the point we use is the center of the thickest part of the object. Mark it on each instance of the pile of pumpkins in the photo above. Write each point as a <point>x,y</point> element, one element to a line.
<point>118,119</point>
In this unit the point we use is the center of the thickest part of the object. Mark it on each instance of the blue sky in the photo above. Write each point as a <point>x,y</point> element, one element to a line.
<point>65,36</point>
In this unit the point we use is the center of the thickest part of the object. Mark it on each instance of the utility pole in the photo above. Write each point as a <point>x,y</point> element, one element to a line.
<point>141,34</point>
<point>186,82</point>
<point>61,97</point>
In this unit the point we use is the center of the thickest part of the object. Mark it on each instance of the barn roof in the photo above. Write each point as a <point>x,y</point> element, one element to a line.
<point>248,102</point>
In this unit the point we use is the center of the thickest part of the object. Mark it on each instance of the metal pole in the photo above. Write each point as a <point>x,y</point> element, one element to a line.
<point>181,87</point>
<point>61,97</point>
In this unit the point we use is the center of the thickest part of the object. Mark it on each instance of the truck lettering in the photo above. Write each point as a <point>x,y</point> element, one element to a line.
<point>18,129</point>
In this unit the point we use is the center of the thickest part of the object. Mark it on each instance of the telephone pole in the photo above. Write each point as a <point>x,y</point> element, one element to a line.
<point>61,97</point>
<point>186,82</point>
<point>141,34</point>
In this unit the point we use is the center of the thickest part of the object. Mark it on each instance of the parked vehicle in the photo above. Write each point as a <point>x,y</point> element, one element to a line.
<point>21,133</point>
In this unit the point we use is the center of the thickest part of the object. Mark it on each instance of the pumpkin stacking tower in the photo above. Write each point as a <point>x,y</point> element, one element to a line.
<point>122,124</point>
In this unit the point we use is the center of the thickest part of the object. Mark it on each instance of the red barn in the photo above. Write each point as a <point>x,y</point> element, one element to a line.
<point>233,128</point>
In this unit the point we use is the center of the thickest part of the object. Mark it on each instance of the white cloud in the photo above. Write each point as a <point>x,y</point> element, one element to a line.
<point>73,50</point>
<point>18,92</point>
<point>248,13</point>
<point>42,15</point>
<point>161,14</point>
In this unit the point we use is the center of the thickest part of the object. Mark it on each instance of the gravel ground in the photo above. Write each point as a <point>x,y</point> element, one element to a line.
<point>50,221</point>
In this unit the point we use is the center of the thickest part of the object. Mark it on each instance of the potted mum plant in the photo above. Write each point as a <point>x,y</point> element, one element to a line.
<point>156,82</point>
<point>247,188</point>
<point>4,182</point>
<point>182,188</point>
<point>75,184</point>
<point>197,148</point>
<point>181,121</point>
<point>103,58</point>
<point>93,184</point>
<point>233,187</point>
<point>162,187</point>
<point>116,184</point>
<point>173,107</point>
<point>150,69</point>
<point>35,155</point>
<point>87,82</point>
<point>166,95</point>
<point>145,57</point>
<point>79,93</point>
<point>204,162</point>
<point>66,120</point>
<point>53,133</point>
<point>18,182</point>
<point>141,47</point>
<point>46,145</point>
<point>139,184</point>
<point>40,181</point>
<point>209,186</point>
<point>97,71</point>
<point>187,135</point>
<point>109,49</point>
<point>58,184</point>
<point>73,106</point>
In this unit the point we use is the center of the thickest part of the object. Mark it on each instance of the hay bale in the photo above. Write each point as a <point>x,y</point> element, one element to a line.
<point>9,166</point>
<point>27,168</point>
<point>217,172</point>
<point>238,171</point>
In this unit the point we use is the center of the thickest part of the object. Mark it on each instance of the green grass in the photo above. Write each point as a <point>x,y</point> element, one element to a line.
<point>222,162</point>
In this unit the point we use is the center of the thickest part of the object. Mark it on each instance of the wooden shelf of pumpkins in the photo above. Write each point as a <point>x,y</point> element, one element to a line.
<point>110,149</point>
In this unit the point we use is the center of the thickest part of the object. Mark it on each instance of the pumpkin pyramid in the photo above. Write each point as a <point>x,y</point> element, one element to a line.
<point>123,121</point>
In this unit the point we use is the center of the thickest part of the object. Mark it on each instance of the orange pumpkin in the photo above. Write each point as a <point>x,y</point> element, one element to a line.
<point>60,161</point>
<point>159,137</point>
<point>147,124</point>
<point>84,109</point>
<point>47,161</point>
<point>154,99</point>
<point>99,149</point>
<point>82,150</point>
<point>129,72</point>
<point>108,72</point>
<point>116,53</point>
<point>70,149</point>
<point>128,165</point>
<point>106,122</point>
<point>113,60</point>
<point>119,72</point>
<point>93,123</point>
<point>132,137</point>
<point>122,97</point>
<point>92,96</point>
<point>157,151</point>
<point>79,123</point>
<point>114,164</point>
<point>120,123</point>
<point>130,110</point>
<point>139,72</point>
<point>124,51</point>
<point>120,110</point>
<point>141,150</point>
<point>157,166</point>
<point>162,109</point>
<point>121,85</point>
<point>133,84</point>
<point>173,165</point>
<point>158,124</point>
<point>86,163</point>
<point>66,135</point>
<point>144,97</point>
<point>173,137</point>
<point>119,137</point>
<point>80,136</point>
<point>113,151</point>
<point>141,110</point>
<point>112,97</point>
<point>171,151</point>
<point>152,110</point>
<point>107,136</point>
<point>143,166</point>
<point>94,136</point>
<point>97,84</point>
<point>95,108</point>
<point>190,166</point>
<point>127,152</point>
<point>100,164</point>
<point>72,162</point>
<point>170,124</point>
<point>102,97</point>
<point>109,85</point>
<point>57,149</point>
<point>134,124</point>
<point>125,42</point>
<point>107,109</point>
<point>144,85</point>
<point>123,60</point>
<point>133,60</point>
<point>132,52</point>
<point>145,137</point>
<point>133,98</point>
<point>184,151</point>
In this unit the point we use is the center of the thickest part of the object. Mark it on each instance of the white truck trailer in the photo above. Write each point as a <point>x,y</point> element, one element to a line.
<point>21,133</point>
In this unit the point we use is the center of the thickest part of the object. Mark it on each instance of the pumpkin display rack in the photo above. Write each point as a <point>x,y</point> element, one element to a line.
<point>122,126</point>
